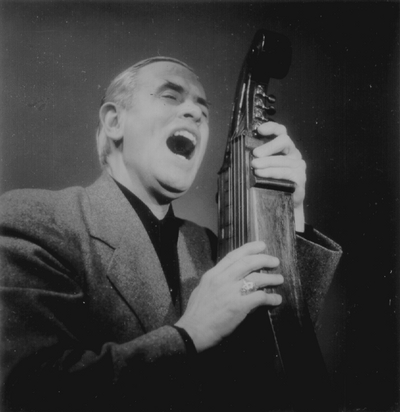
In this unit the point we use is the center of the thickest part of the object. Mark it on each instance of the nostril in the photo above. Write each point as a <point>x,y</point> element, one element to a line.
<point>191,110</point>
<point>191,115</point>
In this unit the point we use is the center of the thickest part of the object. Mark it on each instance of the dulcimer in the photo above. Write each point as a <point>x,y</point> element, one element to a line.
<point>253,208</point>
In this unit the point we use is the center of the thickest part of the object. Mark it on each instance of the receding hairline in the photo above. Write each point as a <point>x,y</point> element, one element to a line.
<point>140,68</point>
<point>159,59</point>
<point>169,77</point>
<point>136,68</point>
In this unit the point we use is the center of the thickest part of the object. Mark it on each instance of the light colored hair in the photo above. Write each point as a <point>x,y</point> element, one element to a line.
<point>120,91</point>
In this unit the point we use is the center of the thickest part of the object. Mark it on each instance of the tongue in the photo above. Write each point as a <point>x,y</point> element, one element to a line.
<point>180,146</point>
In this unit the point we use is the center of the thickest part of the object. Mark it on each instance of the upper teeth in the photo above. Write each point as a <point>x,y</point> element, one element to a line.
<point>186,134</point>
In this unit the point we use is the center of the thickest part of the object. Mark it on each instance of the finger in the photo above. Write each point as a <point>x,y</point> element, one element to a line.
<point>281,144</point>
<point>278,161</point>
<point>242,267</point>
<point>271,128</point>
<point>281,173</point>
<point>260,298</point>
<point>251,248</point>
<point>263,280</point>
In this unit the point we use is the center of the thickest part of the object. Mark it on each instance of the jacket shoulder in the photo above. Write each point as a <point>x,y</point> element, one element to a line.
<point>30,209</point>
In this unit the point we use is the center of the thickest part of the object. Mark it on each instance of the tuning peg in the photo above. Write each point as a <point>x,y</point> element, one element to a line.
<point>271,98</point>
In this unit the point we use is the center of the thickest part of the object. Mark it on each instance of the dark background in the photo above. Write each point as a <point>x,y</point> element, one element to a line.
<point>340,103</point>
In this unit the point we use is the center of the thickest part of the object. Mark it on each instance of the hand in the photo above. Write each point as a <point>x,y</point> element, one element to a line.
<point>216,307</point>
<point>288,164</point>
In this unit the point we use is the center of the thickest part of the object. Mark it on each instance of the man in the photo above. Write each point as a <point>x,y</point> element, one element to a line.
<point>112,303</point>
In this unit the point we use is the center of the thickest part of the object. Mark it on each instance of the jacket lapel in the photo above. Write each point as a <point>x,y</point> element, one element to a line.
<point>134,269</point>
<point>188,275</point>
<point>194,258</point>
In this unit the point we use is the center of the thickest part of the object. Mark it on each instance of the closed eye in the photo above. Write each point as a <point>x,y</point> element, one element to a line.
<point>204,110</point>
<point>169,96</point>
<point>205,106</point>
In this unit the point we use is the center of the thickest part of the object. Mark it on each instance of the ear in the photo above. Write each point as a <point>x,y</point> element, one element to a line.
<point>111,118</point>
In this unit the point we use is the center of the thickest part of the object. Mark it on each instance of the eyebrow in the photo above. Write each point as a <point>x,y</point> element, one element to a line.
<point>179,89</point>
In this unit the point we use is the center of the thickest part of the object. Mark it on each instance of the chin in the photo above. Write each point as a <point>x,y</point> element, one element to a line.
<point>173,190</point>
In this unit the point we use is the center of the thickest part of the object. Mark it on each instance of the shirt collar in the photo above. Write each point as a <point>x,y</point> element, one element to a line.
<point>148,218</point>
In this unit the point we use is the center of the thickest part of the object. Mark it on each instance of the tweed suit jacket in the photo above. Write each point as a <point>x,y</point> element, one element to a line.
<point>87,312</point>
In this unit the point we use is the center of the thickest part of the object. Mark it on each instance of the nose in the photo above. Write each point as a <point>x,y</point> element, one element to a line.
<point>190,109</point>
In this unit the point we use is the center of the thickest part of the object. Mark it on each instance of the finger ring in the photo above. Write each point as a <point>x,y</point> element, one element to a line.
<point>247,287</point>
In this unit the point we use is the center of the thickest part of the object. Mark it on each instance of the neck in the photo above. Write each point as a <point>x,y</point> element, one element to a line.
<point>121,176</point>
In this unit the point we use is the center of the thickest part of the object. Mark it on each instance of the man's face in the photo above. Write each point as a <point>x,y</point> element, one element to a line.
<point>165,131</point>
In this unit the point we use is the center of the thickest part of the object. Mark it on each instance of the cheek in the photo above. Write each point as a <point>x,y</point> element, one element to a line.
<point>203,152</point>
<point>206,134</point>
<point>139,146</point>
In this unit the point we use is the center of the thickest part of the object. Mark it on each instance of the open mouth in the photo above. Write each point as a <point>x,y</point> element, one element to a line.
<point>182,143</point>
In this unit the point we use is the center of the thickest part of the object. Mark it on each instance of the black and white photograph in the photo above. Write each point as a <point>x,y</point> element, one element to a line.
<point>199,206</point>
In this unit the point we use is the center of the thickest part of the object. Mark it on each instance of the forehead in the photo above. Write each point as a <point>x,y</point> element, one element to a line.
<point>155,74</point>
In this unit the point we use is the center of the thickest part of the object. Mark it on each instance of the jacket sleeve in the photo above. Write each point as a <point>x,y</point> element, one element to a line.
<point>318,259</point>
<point>46,364</point>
